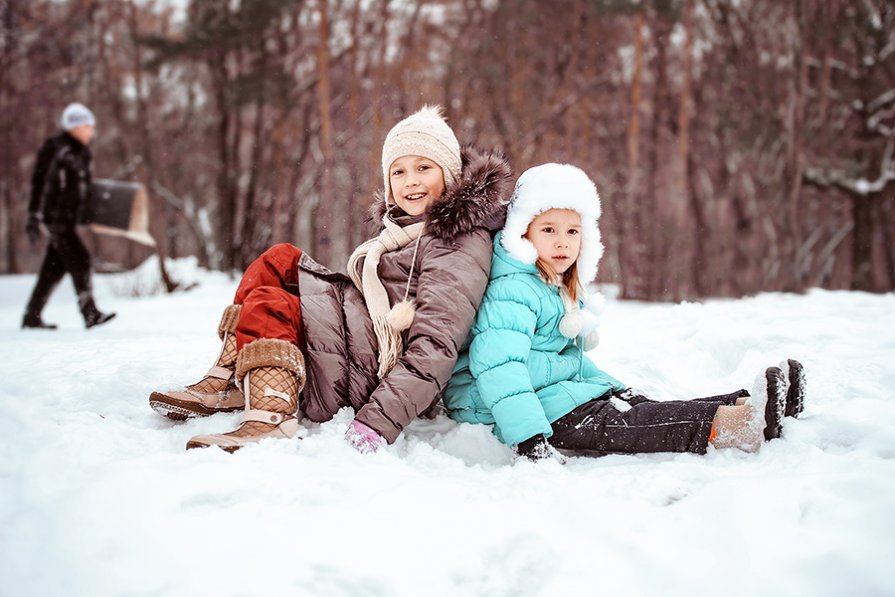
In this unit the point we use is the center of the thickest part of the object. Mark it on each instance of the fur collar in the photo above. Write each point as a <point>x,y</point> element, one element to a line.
<point>477,200</point>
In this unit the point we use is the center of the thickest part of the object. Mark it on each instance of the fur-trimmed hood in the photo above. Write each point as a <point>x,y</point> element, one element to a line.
<point>549,186</point>
<point>477,200</point>
<point>561,186</point>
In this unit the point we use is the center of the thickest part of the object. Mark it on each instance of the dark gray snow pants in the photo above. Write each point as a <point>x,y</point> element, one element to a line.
<point>627,422</point>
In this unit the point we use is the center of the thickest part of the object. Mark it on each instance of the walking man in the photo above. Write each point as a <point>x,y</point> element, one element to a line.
<point>60,187</point>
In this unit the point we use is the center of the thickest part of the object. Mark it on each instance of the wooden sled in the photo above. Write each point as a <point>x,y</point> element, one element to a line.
<point>119,208</point>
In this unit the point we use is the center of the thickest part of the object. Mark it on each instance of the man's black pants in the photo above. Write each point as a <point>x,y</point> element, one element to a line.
<point>66,253</point>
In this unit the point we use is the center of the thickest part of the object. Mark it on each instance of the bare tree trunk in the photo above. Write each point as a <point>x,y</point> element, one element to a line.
<point>632,252</point>
<point>687,181</point>
<point>378,85</point>
<point>795,160</point>
<point>326,250</point>
<point>159,222</point>
<point>862,208</point>
<point>829,13</point>
<point>226,195</point>
<point>235,171</point>
<point>888,223</point>
<point>356,191</point>
<point>9,183</point>
<point>250,215</point>
<point>654,213</point>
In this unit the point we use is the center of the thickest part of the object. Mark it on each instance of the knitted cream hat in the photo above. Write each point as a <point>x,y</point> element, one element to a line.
<point>425,134</point>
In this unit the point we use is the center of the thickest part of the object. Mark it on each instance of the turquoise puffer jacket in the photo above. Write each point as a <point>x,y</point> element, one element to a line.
<point>516,371</point>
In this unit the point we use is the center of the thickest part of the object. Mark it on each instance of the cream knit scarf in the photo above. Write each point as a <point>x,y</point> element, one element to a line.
<point>387,329</point>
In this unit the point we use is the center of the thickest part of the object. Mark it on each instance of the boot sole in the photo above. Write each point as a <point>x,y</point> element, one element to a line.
<point>228,449</point>
<point>278,432</point>
<point>109,317</point>
<point>177,410</point>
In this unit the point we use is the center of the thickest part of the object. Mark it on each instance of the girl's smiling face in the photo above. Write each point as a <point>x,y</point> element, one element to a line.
<point>556,235</point>
<point>416,182</point>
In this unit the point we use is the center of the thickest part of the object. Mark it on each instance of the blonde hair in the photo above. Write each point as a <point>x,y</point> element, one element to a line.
<point>569,279</point>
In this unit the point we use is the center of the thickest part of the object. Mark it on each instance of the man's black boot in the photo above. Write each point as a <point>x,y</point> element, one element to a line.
<point>34,321</point>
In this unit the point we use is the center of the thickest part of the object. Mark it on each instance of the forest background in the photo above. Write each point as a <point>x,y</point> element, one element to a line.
<point>738,145</point>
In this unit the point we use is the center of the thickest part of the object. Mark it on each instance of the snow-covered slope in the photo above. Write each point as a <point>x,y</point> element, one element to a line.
<point>98,496</point>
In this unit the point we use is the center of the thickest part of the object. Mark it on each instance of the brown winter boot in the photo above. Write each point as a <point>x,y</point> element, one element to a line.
<point>272,373</point>
<point>214,393</point>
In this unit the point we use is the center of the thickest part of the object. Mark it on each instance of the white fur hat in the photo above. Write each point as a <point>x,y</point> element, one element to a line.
<point>551,186</point>
<point>423,133</point>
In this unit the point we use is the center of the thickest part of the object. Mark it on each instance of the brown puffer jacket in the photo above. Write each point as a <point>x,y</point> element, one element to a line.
<point>452,266</point>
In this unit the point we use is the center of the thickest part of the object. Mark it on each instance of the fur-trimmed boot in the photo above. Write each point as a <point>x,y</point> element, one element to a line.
<point>744,426</point>
<point>272,373</point>
<point>795,396</point>
<point>217,391</point>
<point>775,385</point>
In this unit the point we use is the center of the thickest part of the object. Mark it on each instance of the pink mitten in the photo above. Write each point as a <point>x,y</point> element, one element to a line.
<point>363,438</point>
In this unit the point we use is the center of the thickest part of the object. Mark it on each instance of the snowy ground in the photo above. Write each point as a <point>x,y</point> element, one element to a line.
<point>98,496</point>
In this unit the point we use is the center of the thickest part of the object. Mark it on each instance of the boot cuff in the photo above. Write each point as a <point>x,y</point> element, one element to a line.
<point>270,352</point>
<point>229,320</point>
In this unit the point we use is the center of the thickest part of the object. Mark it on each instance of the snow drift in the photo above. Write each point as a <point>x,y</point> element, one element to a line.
<point>98,496</point>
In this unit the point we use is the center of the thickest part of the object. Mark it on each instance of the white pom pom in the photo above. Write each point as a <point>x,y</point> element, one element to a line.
<point>401,316</point>
<point>570,324</point>
<point>589,321</point>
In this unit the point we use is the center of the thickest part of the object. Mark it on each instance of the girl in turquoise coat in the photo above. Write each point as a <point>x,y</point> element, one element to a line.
<point>523,368</point>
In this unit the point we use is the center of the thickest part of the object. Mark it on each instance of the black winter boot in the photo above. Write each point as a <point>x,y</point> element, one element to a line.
<point>34,321</point>
<point>795,397</point>
<point>776,404</point>
<point>92,315</point>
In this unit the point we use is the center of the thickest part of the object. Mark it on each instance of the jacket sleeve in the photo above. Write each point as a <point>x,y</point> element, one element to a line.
<point>498,353</point>
<point>452,280</point>
<point>60,175</point>
<point>40,175</point>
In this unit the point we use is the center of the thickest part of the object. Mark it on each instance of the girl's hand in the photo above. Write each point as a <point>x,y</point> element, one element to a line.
<point>537,448</point>
<point>363,438</point>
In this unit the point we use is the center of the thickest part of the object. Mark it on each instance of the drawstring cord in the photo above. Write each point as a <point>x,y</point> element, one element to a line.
<point>416,246</point>
<point>580,358</point>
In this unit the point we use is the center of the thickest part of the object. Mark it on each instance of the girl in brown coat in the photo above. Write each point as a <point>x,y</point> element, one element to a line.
<point>382,340</point>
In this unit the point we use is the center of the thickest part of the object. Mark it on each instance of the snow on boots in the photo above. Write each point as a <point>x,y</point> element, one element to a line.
<point>746,428</point>
<point>214,393</point>
<point>775,385</point>
<point>272,373</point>
<point>795,397</point>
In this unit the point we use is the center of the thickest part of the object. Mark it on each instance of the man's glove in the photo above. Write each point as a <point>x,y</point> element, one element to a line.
<point>536,448</point>
<point>32,227</point>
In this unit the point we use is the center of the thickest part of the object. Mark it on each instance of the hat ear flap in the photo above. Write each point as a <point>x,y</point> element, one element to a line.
<point>520,248</point>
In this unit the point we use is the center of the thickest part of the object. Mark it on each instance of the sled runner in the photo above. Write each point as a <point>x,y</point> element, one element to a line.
<point>119,208</point>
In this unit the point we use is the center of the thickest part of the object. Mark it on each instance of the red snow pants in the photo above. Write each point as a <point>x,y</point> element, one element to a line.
<point>268,293</point>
